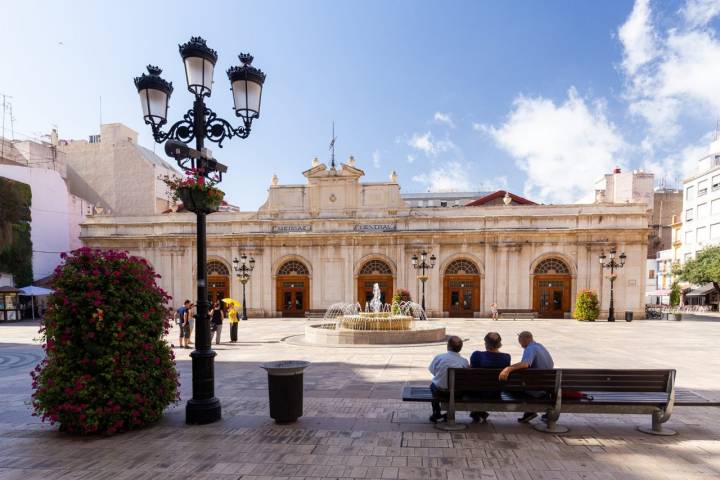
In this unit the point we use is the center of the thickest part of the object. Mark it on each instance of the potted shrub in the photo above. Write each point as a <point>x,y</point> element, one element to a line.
<point>196,192</point>
<point>107,367</point>
<point>587,307</point>
<point>674,313</point>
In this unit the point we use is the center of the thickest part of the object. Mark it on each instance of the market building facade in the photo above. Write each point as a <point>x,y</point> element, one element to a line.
<point>331,239</point>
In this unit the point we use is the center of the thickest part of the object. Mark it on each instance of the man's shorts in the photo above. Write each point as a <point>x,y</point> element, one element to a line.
<point>186,331</point>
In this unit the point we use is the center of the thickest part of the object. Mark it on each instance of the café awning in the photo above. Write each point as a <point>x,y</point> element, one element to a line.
<point>706,289</point>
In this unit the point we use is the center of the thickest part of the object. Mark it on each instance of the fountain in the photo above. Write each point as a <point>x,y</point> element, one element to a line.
<point>396,323</point>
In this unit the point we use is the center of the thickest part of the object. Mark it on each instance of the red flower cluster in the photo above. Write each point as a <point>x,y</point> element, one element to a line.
<point>107,368</point>
<point>194,180</point>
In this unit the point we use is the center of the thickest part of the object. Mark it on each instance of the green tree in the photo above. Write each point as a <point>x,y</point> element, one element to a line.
<point>675,294</point>
<point>704,268</point>
<point>15,242</point>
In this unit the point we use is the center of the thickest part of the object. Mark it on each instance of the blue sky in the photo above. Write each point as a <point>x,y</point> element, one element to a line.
<point>537,97</point>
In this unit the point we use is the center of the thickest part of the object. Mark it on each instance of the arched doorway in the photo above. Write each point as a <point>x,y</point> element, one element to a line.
<point>461,289</point>
<point>552,284</point>
<point>218,281</point>
<point>293,289</point>
<point>375,271</point>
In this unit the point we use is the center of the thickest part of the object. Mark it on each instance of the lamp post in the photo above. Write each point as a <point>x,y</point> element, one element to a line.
<point>613,265</point>
<point>422,265</point>
<point>200,124</point>
<point>243,268</point>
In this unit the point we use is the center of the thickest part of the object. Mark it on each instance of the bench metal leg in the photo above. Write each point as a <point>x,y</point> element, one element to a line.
<point>450,425</point>
<point>551,426</point>
<point>658,418</point>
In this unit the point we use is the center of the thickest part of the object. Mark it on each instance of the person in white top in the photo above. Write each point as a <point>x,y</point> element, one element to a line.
<point>439,367</point>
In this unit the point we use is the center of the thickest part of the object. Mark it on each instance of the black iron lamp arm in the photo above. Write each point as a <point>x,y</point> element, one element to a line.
<point>182,130</point>
<point>216,129</point>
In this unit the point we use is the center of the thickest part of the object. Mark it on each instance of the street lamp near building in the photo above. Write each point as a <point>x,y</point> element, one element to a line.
<point>612,264</point>
<point>200,123</point>
<point>243,269</point>
<point>423,265</point>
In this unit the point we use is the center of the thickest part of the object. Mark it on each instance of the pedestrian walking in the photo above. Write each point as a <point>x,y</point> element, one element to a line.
<point>233,321</point>
<point>217,315</point>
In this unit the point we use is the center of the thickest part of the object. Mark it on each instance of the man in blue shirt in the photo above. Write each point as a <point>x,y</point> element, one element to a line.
<point>492,357</point>
<point>534,356</point>
<point>439,367</point>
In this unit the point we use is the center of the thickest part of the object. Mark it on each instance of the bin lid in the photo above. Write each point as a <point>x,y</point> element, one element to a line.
<point>285,367</point>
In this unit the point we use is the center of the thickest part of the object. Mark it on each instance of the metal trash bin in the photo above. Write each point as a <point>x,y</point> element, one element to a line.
<point>285,389</point>
<point>628,316</point>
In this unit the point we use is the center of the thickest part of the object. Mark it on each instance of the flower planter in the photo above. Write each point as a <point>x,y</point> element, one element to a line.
<point>199,201</point>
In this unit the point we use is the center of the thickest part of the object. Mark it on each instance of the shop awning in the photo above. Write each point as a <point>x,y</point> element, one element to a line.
<point>706,289</point>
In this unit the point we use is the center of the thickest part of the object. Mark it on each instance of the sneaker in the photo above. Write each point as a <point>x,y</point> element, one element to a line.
<point>544,417</point>
<point>435,417</point>
<point>527,417</point>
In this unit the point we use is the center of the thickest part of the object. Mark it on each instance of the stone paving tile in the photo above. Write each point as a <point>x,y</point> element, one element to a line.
<point>355,426</point>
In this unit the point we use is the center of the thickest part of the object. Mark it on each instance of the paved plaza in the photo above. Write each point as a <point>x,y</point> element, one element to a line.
<point>356,426</point>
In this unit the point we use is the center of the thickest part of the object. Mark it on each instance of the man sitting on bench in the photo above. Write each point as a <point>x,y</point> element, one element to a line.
<point>492,357</point>
<point>534,356</point>
<point>439,367</point>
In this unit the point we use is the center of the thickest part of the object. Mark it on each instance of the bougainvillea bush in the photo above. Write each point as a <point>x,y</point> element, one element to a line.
<point>587,306</point>
<point>107,367</point>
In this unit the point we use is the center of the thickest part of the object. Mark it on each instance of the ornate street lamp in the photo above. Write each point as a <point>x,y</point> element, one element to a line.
<point>243,269</point>
<point>423,265</point>
<point>613,265</point>
<point>200,123</point>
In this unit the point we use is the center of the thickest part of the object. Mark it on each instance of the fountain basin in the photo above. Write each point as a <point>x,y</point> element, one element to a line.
<point>375,321</point>
<point>418,332</point>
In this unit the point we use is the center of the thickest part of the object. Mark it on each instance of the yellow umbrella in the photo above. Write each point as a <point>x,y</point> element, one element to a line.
<point>231,301</point>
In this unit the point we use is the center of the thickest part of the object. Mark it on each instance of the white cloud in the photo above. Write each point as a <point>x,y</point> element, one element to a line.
<point>444,118</point>
<point>638,38</point>
<point>411,158</point>
<point>427,144</point>
<point>453,177</point>
<point>671,74</point>
<point>700,12</point>
<point>562,148</point>
<point>671,170</point>
<point>376,158</point>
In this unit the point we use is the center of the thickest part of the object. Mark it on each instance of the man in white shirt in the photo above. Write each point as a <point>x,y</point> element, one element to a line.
<point>439,367</point>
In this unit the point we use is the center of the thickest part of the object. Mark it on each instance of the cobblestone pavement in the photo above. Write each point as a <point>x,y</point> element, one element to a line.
<point>355,426</point>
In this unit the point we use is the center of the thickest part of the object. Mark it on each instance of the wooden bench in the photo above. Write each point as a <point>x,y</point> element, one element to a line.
<point>609,391</point>
<point>516,313</point>
<point>472,389</point>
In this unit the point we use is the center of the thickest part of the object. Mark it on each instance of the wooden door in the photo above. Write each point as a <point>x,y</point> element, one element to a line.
<point>293,295</point>
<point>365,288</point>
<point>461,295</point>
<point>551,295</point>
<point>218,288</point>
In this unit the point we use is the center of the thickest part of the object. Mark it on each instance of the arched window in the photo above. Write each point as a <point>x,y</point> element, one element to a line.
<point>461,267</point>
<point>552,266</point>
<point>376,267</point>
<point>293,267</point>
<point>217,268</point>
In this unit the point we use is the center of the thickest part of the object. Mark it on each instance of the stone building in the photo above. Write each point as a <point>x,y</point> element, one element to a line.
<point>56,210</point>
<point>639,187</point>
<point>115,173</point>
<point>330,239</point>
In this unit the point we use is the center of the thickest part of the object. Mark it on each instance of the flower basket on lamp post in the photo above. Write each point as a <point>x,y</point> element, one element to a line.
<point>200,201</point>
